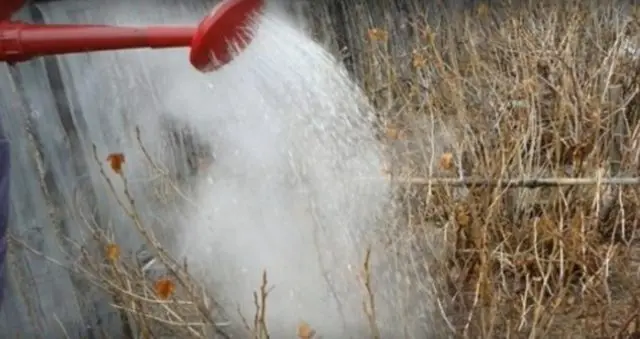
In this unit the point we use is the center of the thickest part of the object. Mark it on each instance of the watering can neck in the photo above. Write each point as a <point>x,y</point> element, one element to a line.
<point>10,49</point>
<point>20,41</point>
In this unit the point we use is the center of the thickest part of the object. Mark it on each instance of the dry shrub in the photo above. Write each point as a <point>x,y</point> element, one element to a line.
<point>541,90</point>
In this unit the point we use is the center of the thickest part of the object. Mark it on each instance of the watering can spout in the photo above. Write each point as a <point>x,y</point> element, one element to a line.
<point>212,42</point>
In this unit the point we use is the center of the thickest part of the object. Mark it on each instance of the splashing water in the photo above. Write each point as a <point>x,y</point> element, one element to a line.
<point>292,140</point>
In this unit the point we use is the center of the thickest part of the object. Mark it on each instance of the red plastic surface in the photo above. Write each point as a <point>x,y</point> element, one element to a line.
<point>227,25</point>
<point>209,42</point>
<point>8,7</point>
<point>21,42</point>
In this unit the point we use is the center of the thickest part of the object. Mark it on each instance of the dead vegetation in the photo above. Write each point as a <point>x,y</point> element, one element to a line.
<point>540,91</point>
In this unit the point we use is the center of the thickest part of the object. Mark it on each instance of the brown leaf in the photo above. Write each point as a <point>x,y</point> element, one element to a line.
<point>164,288</point>
<point>463,216</point>
<point>446,161</point>
<point>393,133</point>
<point>377,34</point>
<point>112,252</point>
<point>305,331</point>
<point>116,160</point>
<point>418,60</point>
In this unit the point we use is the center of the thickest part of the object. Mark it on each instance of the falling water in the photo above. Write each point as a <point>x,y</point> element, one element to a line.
<point>292,140</point>
<point>292,143</point>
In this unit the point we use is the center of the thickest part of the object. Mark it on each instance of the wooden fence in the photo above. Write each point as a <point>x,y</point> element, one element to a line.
<point>53,111</point>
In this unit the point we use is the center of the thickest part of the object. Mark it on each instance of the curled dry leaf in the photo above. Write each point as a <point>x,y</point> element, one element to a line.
<point>393,133</point>
<point>462,216</point>
<point>305,331</point>
<point>377,34</point>
<point>112,252</point>
<point>164,288</point>
<point>418,60</point>
<point>116,160</point>
<point>446,161</point>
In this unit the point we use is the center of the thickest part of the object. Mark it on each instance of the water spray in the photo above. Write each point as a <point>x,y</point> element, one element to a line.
<point>212,42</point>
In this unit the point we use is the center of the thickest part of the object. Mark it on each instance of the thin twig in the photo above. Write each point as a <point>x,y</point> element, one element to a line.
<point>187,325</point>
<point>515,183</point>
<point>62,328</point>
<point>368,304</point>
<point>260,301</point>
<point>172,265</point>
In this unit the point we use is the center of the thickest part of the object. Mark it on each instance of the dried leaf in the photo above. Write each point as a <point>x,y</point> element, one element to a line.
<point>376,34</point>
<point>164,288</point>
<point>116,160</point>
<point>418,60</point>
<point>463,217</point>
<point>112,252</point>
<point>305,331</point>
<point>391,133</point>
<point>446,161</point>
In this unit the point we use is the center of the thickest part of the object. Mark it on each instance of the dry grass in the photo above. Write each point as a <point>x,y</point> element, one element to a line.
<point>541,90</point>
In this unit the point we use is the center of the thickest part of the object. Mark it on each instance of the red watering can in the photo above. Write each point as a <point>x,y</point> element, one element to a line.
<point>210,41</point>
